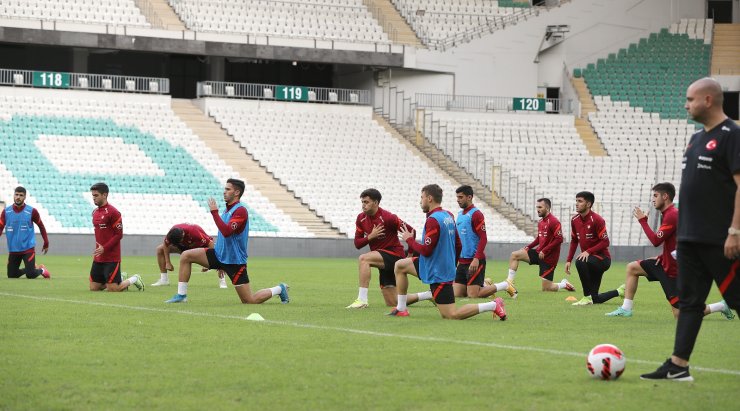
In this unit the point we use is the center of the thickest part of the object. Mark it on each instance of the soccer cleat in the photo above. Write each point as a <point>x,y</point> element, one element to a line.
<point>139,284</point>
<point>284,293</point>
<point>584,301</point>
<point>160,283</point>
<point>124,276</point>
<point>499,311</point>
<point>669,371</point>
<point>396,313</point>
<point>511,290</point>
<point>222,282</point>
<point>620,312</point>
<point>358,304</point>
<point>620,290</point>
<point>567,285</point>
<point>487,282</point>
<point>46,274</point>
<point>178,298</point>
<point>727,312</point>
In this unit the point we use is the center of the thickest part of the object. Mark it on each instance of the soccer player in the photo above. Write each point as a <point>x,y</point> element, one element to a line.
<point>662,268</point>
<point>230,253</point>
<point>709,223</point>
<point>18,220</point>
<point>544,250</point>
<point>588,230</point>
<point>438,252</point>
<point>105,273</point>
<point>182,237</point>
<point>471,268</point>
<point>378,228</point>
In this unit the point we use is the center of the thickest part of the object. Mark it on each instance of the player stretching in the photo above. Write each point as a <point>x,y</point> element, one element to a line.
<point>471,268</point>
<point>379,228</point>
<point>662,268</point>
<point>230,254</point>
<point>589,230</point>
<point>182,237</point>
<point>105,273</point>
<point>547,245</point>
<point>440,248</point>
<point>17,220</point>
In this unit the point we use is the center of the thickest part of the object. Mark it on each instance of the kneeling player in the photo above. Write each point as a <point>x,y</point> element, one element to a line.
<point>438,253</point>
<point>180,238</point>
<point>230,253</point>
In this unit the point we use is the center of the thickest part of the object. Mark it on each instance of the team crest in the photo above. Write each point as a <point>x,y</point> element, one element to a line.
<point>427,241</point>
<point>711,145</point>
<point>233,226</point>
<point>660,234</point>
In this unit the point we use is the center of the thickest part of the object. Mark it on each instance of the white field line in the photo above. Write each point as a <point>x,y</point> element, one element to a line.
<point>356,331</point>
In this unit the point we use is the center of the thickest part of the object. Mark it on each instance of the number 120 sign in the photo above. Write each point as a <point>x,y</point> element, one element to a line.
<point>529,104</point>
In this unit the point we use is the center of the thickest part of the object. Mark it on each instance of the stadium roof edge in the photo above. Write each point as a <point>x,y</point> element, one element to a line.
<point>197,47</point>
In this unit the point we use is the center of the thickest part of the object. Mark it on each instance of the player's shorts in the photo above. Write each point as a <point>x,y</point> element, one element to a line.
<point>236,272</point>
<point>387,276</point>
<point>547,271</point>
<point>657,273</point>
<point>464,276</point>
<point>416,264</point>
<point>442,293</point>
<point>105,273</point>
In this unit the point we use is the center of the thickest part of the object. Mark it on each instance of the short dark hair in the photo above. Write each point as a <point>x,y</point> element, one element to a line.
<point>433,190</point>
<point>545,200</point>
<point>20,189</point>
<point>467,190</point>
<point>239,184</point>
<point>372,193</point>
<point>175,235</point>
<point>101,188</point>
<point>666,188</point>
<point>587,195</point>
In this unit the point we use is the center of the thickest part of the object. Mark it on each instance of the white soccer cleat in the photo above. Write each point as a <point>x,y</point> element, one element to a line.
<point>222,282</point>
<point>161,282</point>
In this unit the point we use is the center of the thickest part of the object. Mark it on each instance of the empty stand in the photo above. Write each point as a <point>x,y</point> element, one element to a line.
<point>328,154</point>
<point>114,12</point>
<point>159,172</point>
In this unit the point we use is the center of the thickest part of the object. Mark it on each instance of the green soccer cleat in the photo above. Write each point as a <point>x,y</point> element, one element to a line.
<point>620,312</point>
<point>727,312</point>
<point>139,283</point>
<point>620,290</point>
<point>584,301</point>
<point>358,304</point>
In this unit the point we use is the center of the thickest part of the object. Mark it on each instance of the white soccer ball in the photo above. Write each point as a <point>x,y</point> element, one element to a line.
<point>606,362</point>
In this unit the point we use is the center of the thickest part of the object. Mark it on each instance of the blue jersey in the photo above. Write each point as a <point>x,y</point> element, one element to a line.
<point>440,266</point>
<point>468,236</point>
<point>232,249</point>
<point>19,229</point>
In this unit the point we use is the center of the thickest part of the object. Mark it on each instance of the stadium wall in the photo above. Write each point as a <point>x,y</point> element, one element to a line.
<point>502,64</point>
<point>144,245</point>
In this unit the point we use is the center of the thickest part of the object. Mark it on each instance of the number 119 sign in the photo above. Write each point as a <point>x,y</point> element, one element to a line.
<point>291,93</point>
<point>529,104</point>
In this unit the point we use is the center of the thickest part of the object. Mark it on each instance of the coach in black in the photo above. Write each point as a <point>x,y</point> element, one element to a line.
<point>709,221</point>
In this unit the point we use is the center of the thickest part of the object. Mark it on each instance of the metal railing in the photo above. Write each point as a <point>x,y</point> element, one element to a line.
<point>387,26</point>
<point>493,23</point>
<point>87,81</point>
<point>485,103</point>
<point>275,92</point>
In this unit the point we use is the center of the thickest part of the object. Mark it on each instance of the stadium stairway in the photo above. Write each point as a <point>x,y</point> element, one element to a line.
<point>437,159</point>
<point>726,49</point>
<point>385,11</point>
<point>165,16</point>
<point>585,130</point>
<point>232,154</point>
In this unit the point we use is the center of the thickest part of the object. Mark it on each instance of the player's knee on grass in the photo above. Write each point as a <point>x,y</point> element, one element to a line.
<point>447,311</point>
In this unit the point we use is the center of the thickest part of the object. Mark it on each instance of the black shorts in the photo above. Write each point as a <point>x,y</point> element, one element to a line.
<point>657,273</point>
<point>442,293</point>
<point>387,277</point>
<point>416,264</point>
<point>463,275</point>
<point>547,271</point>
<point>105,273</point>
<point>236,272</point>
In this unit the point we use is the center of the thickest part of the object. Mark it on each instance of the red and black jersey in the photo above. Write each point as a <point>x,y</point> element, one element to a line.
<point>665,235</point>
<point>388,241</point>
<point>108,233</point>
<point>590,232</point>
<point>549,239</point>
<point>193,237</point>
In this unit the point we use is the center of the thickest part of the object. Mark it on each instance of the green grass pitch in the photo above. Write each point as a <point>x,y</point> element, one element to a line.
<point>63,347</point>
